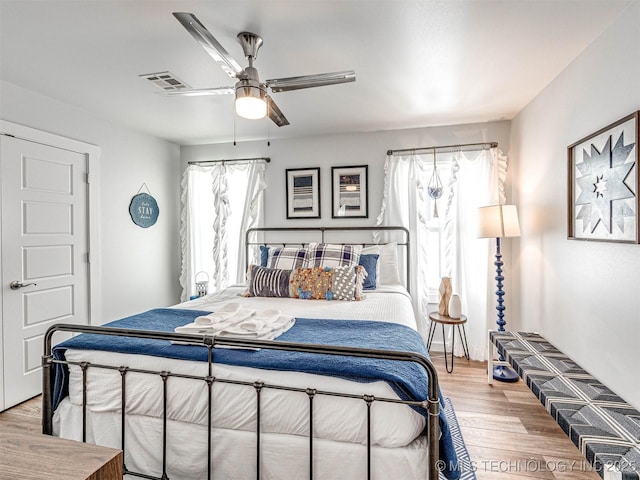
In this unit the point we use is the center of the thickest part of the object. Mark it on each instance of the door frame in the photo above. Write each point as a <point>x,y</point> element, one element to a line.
<point>92,154</point>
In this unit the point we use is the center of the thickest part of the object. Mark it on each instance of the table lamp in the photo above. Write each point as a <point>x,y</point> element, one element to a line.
<point>499,221</point>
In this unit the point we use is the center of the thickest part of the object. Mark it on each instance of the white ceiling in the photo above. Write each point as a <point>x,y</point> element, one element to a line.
<point>417,63</point>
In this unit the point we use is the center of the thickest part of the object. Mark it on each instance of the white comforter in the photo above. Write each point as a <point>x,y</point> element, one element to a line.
<point>234,406</point>
<point>388,303</point>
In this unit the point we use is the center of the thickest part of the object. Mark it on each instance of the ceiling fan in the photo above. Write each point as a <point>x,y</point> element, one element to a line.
<point>252,100</point>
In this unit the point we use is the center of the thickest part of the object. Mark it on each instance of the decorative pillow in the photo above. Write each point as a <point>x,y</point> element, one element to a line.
<point>370,263</point>
<point>286,258</point>
<point>388,272</point>
<point>361,275</point>
<point>311,283</point>
<point>267,282</point>
<point>332,255</point>
<point>264,255</point>
<point>347,282</point>
<point>320,283</point>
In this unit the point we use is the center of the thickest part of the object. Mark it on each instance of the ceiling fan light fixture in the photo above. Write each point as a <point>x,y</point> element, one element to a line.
<point>250,100</point>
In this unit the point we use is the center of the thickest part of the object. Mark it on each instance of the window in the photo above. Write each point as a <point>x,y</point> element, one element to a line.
<point>435,233</point>
<point>447,245</point>
<point>220,202</point>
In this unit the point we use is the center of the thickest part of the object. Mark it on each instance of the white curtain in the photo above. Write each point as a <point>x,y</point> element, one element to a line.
<point>405,203</point>
<point>219,203</point>
<point>252,213</point>
<point>475,179</point>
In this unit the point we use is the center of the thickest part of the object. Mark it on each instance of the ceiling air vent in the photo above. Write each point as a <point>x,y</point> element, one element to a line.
<point>167,81</point>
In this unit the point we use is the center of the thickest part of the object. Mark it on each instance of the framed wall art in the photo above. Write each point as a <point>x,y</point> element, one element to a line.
<point>303,192</point>
<point>603,184</point>
<point>349,192</point>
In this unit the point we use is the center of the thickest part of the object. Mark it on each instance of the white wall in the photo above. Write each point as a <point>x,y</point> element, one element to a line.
<point>349,149</point>
<point>584,297</point>
<point>139,267</point>
<point>336,150</point>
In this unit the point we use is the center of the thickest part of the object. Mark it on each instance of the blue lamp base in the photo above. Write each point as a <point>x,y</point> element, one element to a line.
<point>502,373</point>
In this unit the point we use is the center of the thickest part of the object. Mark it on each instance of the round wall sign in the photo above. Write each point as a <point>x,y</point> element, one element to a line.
<point>144,210</point>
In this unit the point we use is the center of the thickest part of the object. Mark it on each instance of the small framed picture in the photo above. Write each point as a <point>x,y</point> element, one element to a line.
<point>603,184</point>
<point>349,192</point>
<point>303,192</point>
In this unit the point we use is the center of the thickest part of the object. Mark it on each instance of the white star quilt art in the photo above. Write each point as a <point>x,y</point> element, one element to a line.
<point>603,184</point>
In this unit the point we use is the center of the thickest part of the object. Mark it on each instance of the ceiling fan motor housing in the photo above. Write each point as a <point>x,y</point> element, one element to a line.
<point>251,43</point>
<point>250,88</point>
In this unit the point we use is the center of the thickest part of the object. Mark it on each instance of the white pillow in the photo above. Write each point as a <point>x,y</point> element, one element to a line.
<point>372,250</point>
<point>387,269</point>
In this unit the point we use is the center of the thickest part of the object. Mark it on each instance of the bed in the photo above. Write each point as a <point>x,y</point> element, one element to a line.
<point>347,392</point>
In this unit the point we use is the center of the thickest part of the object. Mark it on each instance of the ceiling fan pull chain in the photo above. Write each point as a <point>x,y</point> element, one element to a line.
<point>234,129</point>
<point>268,124</point>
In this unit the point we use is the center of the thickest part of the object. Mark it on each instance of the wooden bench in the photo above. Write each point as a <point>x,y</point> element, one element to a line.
<point>25,455</point>
<point>602,425</point>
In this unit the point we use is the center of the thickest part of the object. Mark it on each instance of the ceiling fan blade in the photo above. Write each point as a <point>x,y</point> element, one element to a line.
<point>275,114</point>
<point>198,92</point>
<point>308,81</point>
<point>209,43</point>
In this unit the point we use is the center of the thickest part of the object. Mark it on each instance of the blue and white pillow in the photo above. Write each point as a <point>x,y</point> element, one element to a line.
<point>286,258</point>
<point>267,282</point>
<point>332,255</point>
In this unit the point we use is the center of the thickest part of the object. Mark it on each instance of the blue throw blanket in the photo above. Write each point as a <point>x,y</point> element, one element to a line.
<point>408,380</point>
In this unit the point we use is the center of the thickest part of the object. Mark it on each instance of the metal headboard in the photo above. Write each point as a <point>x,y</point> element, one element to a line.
<point>271,237</point>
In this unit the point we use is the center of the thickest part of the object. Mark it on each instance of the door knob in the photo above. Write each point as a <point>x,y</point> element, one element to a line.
<point>15,285</point>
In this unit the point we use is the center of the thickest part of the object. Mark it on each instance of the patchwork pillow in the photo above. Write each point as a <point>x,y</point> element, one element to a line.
<point>332,255</point>
<point>311,283</point>
<point>370,263</point>
<point>286,258</point>
<point>326,283</point>
<point>267,282</point>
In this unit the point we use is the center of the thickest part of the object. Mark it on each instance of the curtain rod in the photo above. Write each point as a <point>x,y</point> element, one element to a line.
<point>233,160</point>
<point>440,148</point>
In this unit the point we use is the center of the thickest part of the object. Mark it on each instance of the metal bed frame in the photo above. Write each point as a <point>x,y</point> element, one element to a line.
<point>430,404</point>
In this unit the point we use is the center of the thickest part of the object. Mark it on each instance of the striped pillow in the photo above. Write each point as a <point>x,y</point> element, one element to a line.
<point>267,282</point>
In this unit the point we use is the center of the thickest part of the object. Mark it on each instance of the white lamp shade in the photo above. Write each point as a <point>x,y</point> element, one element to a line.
<point>250,100</point>
<point>251,107</point>
<point>498,221</point>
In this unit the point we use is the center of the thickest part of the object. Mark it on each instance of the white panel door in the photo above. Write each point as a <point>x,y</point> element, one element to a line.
<point>44,255</point>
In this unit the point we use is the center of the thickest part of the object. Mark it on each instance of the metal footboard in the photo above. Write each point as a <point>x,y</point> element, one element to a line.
<point>431,404</point>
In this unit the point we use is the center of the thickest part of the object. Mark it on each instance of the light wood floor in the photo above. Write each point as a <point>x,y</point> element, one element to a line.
<point>508,433</point>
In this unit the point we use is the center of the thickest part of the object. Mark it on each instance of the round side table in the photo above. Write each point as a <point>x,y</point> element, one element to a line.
<point>436,318</point>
